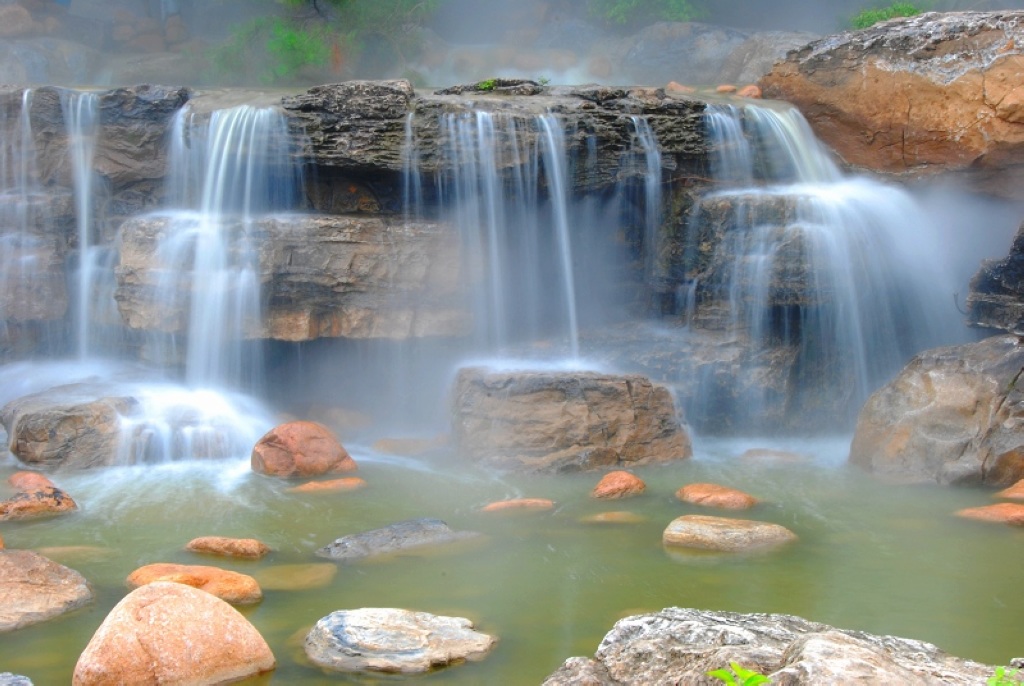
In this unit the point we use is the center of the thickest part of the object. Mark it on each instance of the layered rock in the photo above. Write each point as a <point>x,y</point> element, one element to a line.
<point>35,589</point>
<point>932,94</point>
<point>680,645</point>
<point>952,416</point>
<point>564,421</point>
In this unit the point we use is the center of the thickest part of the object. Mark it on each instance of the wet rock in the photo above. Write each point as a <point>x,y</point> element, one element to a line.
<point>398,537</point>
<point>996,297</point>
<point>935,93</point>
<point>715,495</point>
<point>300,449</point>
<point>231,587</point>
<point>351,483</point>
<point>166,633</point>
<point>564,421</point>
<point>297,577</point>
<point>393,640</point>
<point>614,518</point>
<point>520,505</point>
<point>618,485</point>
<point>34,589</point>
<point>247,548</point>
<point>749,91</point>
<point>1014,492</point>
<point>952,416</point>
<point>44,502</point>
<point>1003,513</point>
<point>29,481</point>
<point>679,645</point>
<point>724,534</point>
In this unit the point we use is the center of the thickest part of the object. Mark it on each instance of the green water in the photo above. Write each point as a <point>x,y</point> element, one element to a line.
<point>880,558</point>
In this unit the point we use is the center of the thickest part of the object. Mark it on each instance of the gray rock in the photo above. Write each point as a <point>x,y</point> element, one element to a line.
<point>393,640</point>
<point>679,645</point>
<point>34,589</point>
<point>996,298</point>
<point>398,537</point>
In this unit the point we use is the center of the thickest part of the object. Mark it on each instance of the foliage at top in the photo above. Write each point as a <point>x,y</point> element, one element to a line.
<point>872,16</point>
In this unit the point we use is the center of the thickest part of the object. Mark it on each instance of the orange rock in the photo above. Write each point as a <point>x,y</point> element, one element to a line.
<point>618,485</point>
<point>29,481</point>
<point>300,449</point>
<point>713,495</point>
<point>675,87</point>
<point>532,504</point>
<point>349,483</point>
<point>1004,513</point>
<point>249,548</point>
<point>726,88</point>
<point>229,586</point>
<point>749,91</point>
<point>614,518</point>
<point>1014,492</point>
<point>41,503</point>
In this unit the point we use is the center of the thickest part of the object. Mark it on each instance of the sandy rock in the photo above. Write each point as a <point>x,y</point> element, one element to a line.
<point>298,577</point>
<point>349,483</point>
<point>393,640</point>
<point>618,517</point>
<point>520,505</point>
<point>618,485</point>
<point>1003,513</point>
<point>231,587</point>
<point>29,481</point>
<point>248,548</point>
<point>300,449</point>
<point>168,633</point>
<point>1014,492</point>
<point>34,504</point>
<point>34,589</point>
<point>714,495</point>
<point>675,87</point>
<point>724,534</point>
<point>399,537</point>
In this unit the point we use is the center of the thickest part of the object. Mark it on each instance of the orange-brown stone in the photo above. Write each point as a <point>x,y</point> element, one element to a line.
<point>41,503</point>
<point>749,91</point>
<point>618,485</point>
<point>343,485</point>
<point>302,449</point>
<point>520,504</point>
<point>714,495</point>
<point>248,548</point>
<point>231,587</point>
<point>1014,492</point>
<point>29,481</point>
<point>1003,513</point>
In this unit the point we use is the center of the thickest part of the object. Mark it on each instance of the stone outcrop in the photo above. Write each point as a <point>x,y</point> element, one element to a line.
<point>564,421</point>
<point>300,449</point>
<point>933,94</point>
<point>724,534</point>
<point>229,586</point>
<point>34,589</point>
<point>393,640</point>
<point>679,645</point>
<point>952,416</point>
<point>996,298</point>
<point>395,538</point>
<point>166,633</point>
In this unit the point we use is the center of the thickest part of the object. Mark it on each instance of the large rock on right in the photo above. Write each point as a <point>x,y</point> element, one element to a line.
<point>954,415</point>
<point>555,421</point>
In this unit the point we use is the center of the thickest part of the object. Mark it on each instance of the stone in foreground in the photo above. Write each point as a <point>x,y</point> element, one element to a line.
<point>564,421</point>
<point>725,534</point>
<point>34,589</point>
<point>393,640</point>
<point>679,646</point>
<point>401,536</point>
<point>168,633</point>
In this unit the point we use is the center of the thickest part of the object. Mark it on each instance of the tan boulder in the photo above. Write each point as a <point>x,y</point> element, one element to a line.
<point>231,587</point>
<point>300,448</point>
<point>1003,513</point>
<point>348,483</point>
<point>45,502</point>
<point>297,577</point>
<point>34,589</point>
<point>248,548</point>
<point>676,87</point>
<point>520,504</point>
<point>1014,492</point>
<point>618,485</point>
<point>168,633</point>
<point>29,481</point>
<point>714,495</point>
<point>724,534</point>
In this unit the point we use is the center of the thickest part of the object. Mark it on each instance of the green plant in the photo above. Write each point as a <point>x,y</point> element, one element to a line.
<point>639,12</point>
<point>871,16</point>
<point>1005,676</point>
<point>486,85</point>
<point>738,676</point>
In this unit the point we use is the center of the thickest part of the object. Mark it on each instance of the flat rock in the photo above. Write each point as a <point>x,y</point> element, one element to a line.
<point>401,536</point>
<point>715,495</point>
<point>618,485</point>
<point>393,640</point>
<point>34,589</point>
<point>724,534</point>
<point>229,586</point>
<point>617,517</point>
<point>29,481</point>
<point>248,548</point>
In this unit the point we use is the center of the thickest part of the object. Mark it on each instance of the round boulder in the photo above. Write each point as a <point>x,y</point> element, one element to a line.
<point>301,449</point>
<point>34,589</point>
<point>724,534</point>
<point>393,640</point>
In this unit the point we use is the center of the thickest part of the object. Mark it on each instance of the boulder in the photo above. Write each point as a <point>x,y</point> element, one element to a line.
<point>231,587</point>
<point>1002,513</point>
<point>618,485</point>
<point>930,94</point>
<point>724,534</point>
<point>393,640</point>
<point>546,421</point>
<point>165,633</point>
<point>952,416</point>
<point>43,502</point>
<point>301,449</point>
<point>680,645</point>
<point>34,589</point>
<point>996,296</point>
<point>399,537</point>
<point>755,56</point>
<point>248,548</point>
<point>714,495</point>
<point>520,505</point>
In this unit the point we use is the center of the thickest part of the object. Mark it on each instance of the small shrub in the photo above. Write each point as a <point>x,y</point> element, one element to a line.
<point>872,16</point>
<point>738,676</point>
<point>1005,676</point>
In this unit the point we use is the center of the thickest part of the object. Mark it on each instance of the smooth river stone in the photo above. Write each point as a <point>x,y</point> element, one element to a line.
<point>724,534</point>
<point>393,640</point>
<point>398,537</point>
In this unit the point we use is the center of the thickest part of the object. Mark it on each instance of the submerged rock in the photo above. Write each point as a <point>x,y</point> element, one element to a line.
<point>520,504</point>
<point>724,534</point>
<point>680,645</point>
<point>401,536</point>
<point>349,483</point>
<point>564,421</point>
<point>297,577</point>
<point>249,548</point>
<point>34,589</point>
<point>393,640</point>
<point>300,449</point>
<point>165,633</point>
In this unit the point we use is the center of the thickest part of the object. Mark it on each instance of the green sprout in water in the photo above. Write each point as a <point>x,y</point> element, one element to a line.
<point>738,676</point>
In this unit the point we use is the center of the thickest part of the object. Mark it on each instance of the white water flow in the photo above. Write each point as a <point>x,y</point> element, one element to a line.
<point>647,146</point>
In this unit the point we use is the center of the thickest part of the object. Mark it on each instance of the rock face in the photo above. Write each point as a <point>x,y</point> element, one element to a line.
<point>34,589</point>
<point>934,93</point>
<point>953,415</point>
<point>680,645</point>
<point>996,298</point>
<point>414,533</point>
<point>564,421</point>
<point>231,587</point>
<point>393,640</point>
<point>300,449</point>
<point>724,534</point>
<point>167,633</point>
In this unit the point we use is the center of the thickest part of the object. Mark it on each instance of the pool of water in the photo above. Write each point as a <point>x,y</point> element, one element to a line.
<point>875,557</point>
